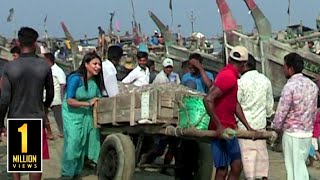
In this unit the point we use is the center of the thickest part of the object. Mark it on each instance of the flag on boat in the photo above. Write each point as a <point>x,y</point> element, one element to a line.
<point>117,25</point>
<point>10,17</point>
<point>289,4</point>
<point>170,4</point>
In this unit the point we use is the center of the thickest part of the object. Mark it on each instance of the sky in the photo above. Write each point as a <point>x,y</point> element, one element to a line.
<point>84,16</point>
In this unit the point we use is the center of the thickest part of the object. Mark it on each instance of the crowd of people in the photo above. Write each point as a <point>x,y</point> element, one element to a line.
<point>237,97</point>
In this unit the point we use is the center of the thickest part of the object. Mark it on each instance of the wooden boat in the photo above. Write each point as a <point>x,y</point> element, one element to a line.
<point>268,52</point>
<point>212,62</point>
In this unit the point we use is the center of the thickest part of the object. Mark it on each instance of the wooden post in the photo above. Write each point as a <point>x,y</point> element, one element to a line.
<point>95,115</point>
<point>154,106</point>
<point>114,111</point>
<point>132,109</point>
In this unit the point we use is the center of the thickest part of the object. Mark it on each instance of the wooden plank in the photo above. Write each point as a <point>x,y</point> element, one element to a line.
<point>166,113</point>
<point>122,116</point>
<point>154,108</point>
<point>123,102</point>
<point>104,104</point>
<point>104,118</point>
<point>173,121</point>
<point>138,100</point>
<point>132,109</point>
<point>95,115</point>
<point>166,99</point>
<point>145,105</point>
<point>114,111</point>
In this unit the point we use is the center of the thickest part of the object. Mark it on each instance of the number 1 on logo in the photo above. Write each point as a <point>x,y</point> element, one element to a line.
<point>24,137</point>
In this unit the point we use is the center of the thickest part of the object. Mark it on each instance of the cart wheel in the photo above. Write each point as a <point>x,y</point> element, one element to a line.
<point>117,158</point>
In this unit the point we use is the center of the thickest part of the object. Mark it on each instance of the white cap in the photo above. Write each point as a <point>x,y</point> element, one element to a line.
<point>240,50</point>
<point>167,62</point>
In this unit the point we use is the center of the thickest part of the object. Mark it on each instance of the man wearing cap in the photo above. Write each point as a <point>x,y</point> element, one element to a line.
<point>222,105</point>
<point>201,79</point>
<point>256,99</point>
<point>167,75</point>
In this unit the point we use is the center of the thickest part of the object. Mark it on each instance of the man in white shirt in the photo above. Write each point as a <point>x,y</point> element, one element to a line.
<point>167,75</point>
<point>59,81</point>
<point>110,72</point>
<point>256,99</point>
<point>140,75</point>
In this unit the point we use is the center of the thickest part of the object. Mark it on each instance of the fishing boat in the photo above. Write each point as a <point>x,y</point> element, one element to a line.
<point>268,51</point>
<point>212,62</point>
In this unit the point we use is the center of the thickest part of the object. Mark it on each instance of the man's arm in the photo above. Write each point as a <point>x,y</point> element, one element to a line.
<point>49,89</point>
<point>283,108</point>
<point>206,78</point>
<point>204,75</point>
<point>131,77</point>
<point>242,118</point>
<point>4,99</point>
<point>209,102</point>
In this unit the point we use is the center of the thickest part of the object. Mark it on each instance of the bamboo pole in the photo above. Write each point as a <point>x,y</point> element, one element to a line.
<point>193,132</point>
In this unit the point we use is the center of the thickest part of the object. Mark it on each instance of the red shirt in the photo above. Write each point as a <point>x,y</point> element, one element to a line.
<point>225,106</point>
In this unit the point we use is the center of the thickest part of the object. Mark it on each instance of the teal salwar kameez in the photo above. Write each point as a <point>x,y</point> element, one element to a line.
<point>80,137</point>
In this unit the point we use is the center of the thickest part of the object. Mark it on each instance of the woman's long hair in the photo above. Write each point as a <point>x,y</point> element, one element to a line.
<point>82,70</point>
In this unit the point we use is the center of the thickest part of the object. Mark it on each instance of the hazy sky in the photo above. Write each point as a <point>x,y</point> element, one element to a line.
<point>84,16</point>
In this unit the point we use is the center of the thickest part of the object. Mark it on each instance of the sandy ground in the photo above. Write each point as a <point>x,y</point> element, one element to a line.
<point>51,169</point>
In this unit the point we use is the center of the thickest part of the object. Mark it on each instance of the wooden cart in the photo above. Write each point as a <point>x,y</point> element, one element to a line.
<point>128,121</point>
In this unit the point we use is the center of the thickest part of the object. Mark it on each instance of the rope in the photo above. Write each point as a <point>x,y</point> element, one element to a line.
<point>189,124</point>
<point>166,131</point>
<point>181,131</point>
<point>187,114</point>
<point>175,129</point>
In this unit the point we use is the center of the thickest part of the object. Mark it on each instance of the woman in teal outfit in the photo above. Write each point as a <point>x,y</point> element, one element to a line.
<point>81,138</point>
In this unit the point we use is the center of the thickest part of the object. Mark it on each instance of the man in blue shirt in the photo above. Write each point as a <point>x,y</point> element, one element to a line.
<point>197,76</point>
<point>188,152</point>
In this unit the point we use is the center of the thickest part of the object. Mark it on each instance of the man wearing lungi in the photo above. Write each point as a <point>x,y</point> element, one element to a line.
<point>256,99</point>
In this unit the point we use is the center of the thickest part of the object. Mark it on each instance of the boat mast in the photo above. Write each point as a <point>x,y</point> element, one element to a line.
<point>135,25</point>
<point>289,12</point>
<point>111,22</point>
<point>192,20</point>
